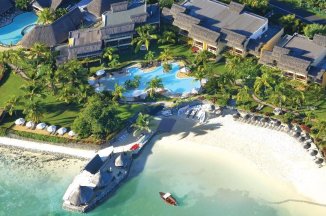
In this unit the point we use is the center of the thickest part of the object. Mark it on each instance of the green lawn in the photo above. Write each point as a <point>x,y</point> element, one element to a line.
<point>320,13</point>
<point>56,113</point>
<point>10,86</point>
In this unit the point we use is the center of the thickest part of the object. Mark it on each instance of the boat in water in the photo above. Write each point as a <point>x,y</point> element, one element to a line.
<point>168,198</point>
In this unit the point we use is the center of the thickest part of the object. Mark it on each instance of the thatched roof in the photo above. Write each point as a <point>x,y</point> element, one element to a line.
<point>55,33</point>
<point>122,160</point>
<point>177,9</point>
<point>53,4</point>
<point>94,165</point>
<point>81,196</point>
<point>266,58</point>
<point>232,38</point>
<point>279,51</point>
<point>5,5</point>
<point>185,21</point>
<point>166,14</point>
<point>294,64</point>
<point>102,179</point>
<point>236,7</point>
<point>110,31</point>
<point>320,40</point>
<point>98,7</point>
<point>204,34</point>
<point>119,6</point>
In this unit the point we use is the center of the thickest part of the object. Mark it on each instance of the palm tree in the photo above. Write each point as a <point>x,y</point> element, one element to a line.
<point>118,92</point>
<point>154,84</point>
<point>263,82</point>
<point>166,55</point>
<point>47,75</point>
<point>149,57</point>
<point>114,62</point>
<point>243,94</point>
<point>39,52</point>
<point>33,89</point>
<point>142,123</point>
<point>10,105</point>
<point>202,57</point>
<point>297,99</point>
<point>201,72</point>
<point>321,126</point>
<point>232,61</point>
<point>279,96</point>
<point>145,35</point>
<point>168,37</point>
<point>46,16</point>
<point>33,110</point>
<point>108,53</point>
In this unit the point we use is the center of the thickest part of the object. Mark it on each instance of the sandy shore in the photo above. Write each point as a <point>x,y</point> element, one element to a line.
<point>273,153</point>
<point>42,147</point>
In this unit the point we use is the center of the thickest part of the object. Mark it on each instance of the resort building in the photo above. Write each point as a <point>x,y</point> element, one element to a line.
<point>52,4</point>
<point>117,30</point>
<point>214,26</point>
<point>98,7</point>
<point>6,6</point>
<point>54,33</point>
<point>299,57</point>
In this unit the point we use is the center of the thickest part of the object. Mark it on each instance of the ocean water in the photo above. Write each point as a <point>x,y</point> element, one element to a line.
<point>204,183</point>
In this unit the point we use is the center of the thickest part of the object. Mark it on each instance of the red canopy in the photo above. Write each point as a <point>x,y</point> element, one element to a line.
<point>134,147</point>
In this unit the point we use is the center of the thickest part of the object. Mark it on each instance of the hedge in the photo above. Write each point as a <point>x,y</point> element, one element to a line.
<point>41,137</point>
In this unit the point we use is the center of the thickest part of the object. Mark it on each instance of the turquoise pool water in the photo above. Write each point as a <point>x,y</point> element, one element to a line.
<point>170,80</point>
<point>11,34</point>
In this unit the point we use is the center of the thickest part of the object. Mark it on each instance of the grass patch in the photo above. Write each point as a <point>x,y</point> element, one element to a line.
<point>10,86</point>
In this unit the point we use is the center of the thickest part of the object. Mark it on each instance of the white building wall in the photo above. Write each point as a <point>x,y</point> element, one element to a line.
<point>260,31</point>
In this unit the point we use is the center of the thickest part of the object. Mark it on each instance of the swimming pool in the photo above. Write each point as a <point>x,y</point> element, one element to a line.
<point>170,81</point>
<point>11,34</point>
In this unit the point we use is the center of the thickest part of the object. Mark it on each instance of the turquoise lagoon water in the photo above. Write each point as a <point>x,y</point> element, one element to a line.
<point>11,34</point>
<point>170,81</point>
<point>203,186</point>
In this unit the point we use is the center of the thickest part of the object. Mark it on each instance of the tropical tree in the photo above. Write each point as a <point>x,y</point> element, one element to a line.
<point>108,53</point>
<point>114,61</point>
<point>312,29</point>
<point>168,37</point>
<point>45,16</point>
<point>202,57</point>
<point>291,24</point>
<point>32,90</point>
<point>40,53</point>
<point>145,36</point>
<point>149,57</point>
<point>243,95</point>
<point>142,123</point>
<point>98,118</point>
<point>166,3</point>
<point>22,4</point>
<point>232,62</point>
<point>279,96</point>
<point>263,83</point>
<point>118,92</point>
<point>33,110</point>
<point>11,105</point>
<point>166,55</point>
<point>60,12</point>
<point>154,84</point>
<point>201,72</point>
<point>321,127</point>
<point>297,99</point>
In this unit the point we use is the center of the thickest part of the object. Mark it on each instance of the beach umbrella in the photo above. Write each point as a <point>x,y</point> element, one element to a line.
<point>30,124</point>
<point>302,139</point>
<point>135,147</point>
<point>100,72</point>
<point>71,133</point>
<point>296,134</point>
<point>194,91</point>
<point>313,152</point>
<point>236,116</point>
<point>51,129</point>
<point>41,126</point>
<point>307,146</point>
<point>319,161</point>
<point>99,89</point>
<point>20,121</point>
<point>62,131</point>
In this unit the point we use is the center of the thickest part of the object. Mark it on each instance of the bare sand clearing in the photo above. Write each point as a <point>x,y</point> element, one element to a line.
<point>287,168</point>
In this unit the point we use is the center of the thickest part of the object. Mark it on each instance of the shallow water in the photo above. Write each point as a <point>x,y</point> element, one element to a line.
<point>205,183</point>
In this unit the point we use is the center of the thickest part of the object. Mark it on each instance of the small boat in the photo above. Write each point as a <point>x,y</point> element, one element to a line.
<point>168,198</point>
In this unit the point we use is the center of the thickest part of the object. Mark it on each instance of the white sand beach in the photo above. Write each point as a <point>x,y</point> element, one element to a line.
<point>42,147</point>
<point>282,162</point>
